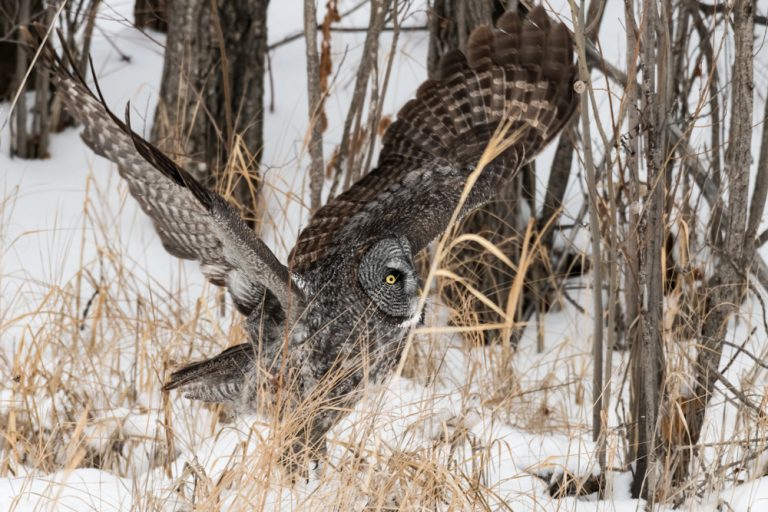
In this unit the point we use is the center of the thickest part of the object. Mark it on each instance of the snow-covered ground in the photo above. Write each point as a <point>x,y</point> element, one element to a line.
<point>460,422</point>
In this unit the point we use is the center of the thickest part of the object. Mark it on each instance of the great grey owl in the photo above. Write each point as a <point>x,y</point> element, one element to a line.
<point>336,315</point>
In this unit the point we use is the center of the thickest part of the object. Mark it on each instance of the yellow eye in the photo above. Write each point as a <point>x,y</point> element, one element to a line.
<point>391,279</point>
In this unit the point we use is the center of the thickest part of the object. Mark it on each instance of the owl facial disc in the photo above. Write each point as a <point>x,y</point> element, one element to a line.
<point>387,276</point>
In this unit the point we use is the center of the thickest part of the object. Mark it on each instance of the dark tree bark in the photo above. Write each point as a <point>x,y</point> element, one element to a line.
<point>451,22</point>
<point>727,287</point>
<point>29,123</point>
<point>648,366</point>
<point>152,14</point>
<point>33,122</point>
<point>9,14</point>
<point>211,97</point>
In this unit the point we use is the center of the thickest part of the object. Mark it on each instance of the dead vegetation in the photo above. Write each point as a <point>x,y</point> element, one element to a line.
<point>670,215</point>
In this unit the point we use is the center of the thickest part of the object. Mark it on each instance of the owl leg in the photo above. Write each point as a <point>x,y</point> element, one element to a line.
<point>305,453</point>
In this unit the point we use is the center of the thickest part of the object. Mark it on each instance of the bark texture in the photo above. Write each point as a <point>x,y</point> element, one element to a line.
<point>728,285</point>
<point>648,361</point>
<point>29,123</point>
<point>211,97</point>
<point>152,14</point>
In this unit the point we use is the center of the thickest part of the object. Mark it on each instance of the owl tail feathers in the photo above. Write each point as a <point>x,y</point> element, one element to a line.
<point>219,379</point>
<point>520,74</point>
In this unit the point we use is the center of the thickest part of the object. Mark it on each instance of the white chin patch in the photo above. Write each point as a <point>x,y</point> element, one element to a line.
<point>415,318</point>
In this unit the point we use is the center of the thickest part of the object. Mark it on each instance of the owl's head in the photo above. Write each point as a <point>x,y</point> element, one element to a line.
<point>387,276</point>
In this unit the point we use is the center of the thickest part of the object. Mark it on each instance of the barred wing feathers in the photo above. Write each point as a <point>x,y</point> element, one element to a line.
<point>193,222</point>
<point>522,72</point>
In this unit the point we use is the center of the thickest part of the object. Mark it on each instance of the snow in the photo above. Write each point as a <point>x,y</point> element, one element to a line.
<point>81,489</point>
<point>71,212</point>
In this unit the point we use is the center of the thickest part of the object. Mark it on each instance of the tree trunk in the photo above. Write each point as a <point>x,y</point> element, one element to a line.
<point>152,14</point>
<point>451,22</point>
<point>727,287</point>
<point>649,366</point>
<point>29,124</point>
<point>316,114</point>
<point>211,97</point>
<point>8,52</point>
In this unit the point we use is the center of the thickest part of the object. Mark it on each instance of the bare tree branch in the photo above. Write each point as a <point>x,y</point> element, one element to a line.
<point>316,176</point>
<point>728,284</point>
<point>677,139</point>
<point>724,8</point>
<point>757,206</point>
<point>370,52</point>
<point>594,223</point>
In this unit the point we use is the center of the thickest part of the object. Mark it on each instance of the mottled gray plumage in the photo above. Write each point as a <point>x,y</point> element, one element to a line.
<point>339,316</point>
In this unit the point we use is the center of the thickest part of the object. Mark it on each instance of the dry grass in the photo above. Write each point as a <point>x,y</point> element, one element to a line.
<point>90,353</point>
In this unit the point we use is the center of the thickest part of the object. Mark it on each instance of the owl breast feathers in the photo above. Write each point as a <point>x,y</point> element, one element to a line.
<point>337,314</point>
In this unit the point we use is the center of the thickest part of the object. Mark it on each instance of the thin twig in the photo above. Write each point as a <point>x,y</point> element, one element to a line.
<point>597,293</point>
<point>724,8</point>
<point>375,115</point>
<point>677,139</point>
<point>370,52</point>
<point>294,37</point>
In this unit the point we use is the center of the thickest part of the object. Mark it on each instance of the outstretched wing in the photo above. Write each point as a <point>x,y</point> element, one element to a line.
<point>192,222</point>
<point>520,74</point>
